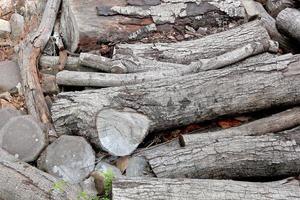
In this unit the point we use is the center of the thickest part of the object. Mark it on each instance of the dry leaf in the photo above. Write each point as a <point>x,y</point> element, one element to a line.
<point>122,163</point>
<point>228,123</point>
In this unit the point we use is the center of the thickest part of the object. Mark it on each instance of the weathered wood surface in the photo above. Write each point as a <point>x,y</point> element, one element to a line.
<point>288,21</point>
<point>50,65</point>
<point>272,124</point>
<point>255,10</point>
<point>19,180</point>
<point>101,63</point>
<point>275,123</point>
<point>183,100</point>
<point>236,157</point>
<point>193,189</point>
<point>274,7</point>
<point>29,52</point>
<point>207,47</point>
<point>84,23</point>
<point>110,80</point>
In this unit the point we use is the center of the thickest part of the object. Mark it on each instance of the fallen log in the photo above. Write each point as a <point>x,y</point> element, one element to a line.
<point>85,24</point>
<point>50,65</point>
<point>193,189</point>
<point>255,10</point>
<point>237,157</point>
<point>29,52</point>
<point>101,63</point>
<point>288,21</point>
<point>19,180</point>
<point>176,101</point>
<point>275,123</point>
<point>111,80</point>
<point>207,47</point>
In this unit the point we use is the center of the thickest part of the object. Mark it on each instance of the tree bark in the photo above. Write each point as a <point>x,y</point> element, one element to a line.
<point>237,157</point>
<point>192,189</point>
<point>19,180</point>
<point>112,80</point>
<point>255,9</point>
<point>288,21</point>
<point>29,52</point>
<point>275,123</point>
<point>86,23</point>
<point>207,47</point>
<point>101,63</point>
<point>184,100</point>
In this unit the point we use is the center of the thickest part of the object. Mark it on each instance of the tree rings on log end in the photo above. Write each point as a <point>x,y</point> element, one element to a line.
<point>120,132</point>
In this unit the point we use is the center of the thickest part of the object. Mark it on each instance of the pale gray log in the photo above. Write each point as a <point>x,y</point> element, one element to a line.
<point>206,47</point>
<point>19,180</point>
<point>255,9</point>
<point>269,155</point>
<point>274,7</point>
<point>101,63</point>
<point>183,100</point>
<point>288,21</point>
<point>272,124</point>
<point>110,80</point>
<point>49,64</point>
<point>204,189</point>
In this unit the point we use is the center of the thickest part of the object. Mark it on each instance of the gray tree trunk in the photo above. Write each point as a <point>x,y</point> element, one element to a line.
<point>19,180</point>
<point>288,21</point>
<point>182,100</point>
<point>236,157</point>
<point>275,123</point>
<point>192,189</point>
<point>207,47</point>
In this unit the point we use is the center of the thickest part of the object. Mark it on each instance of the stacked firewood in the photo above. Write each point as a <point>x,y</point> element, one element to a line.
<point>245,62</point>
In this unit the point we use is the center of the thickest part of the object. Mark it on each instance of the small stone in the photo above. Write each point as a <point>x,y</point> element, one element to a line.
<point>18,137</point>
<point>190,29</point>
<point>17,25</point>
<point>6,114</point>
<point>202,30</point>
<point>69,157</point>
<point>104,167</point>
<point>9,75</point>
<point>4,26</point>
<point>138,167</point>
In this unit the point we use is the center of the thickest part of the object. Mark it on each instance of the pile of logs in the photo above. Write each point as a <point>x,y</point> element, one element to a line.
<point>245,62</point>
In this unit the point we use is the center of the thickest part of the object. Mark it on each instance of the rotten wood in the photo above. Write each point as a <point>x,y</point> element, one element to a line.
<point>183,100</point>
<point>86,23</point>
<point>19,180</point>
<point>193,189</point>
<point>29,52</point>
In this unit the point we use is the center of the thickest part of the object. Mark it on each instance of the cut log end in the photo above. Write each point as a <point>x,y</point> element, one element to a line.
<point>120,132</point>
<point>118,68</point>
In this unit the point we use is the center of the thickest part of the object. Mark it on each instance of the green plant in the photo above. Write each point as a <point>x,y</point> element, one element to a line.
<point>59,185</point>
<point>84,196</point>
<point>108,178</point>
